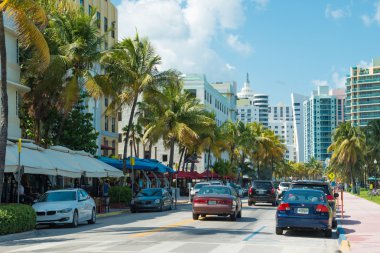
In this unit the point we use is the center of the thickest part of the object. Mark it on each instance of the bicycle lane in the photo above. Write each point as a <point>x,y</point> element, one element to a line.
<point>361,224</point>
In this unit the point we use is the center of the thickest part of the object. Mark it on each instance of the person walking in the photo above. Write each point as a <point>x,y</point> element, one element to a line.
<point>106,190</point>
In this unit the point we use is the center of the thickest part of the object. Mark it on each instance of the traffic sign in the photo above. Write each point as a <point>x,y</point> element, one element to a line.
<point>132,161</point>
<point>331,176</point>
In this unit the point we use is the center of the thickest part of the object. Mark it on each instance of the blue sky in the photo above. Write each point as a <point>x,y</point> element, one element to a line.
<point>285,45</point>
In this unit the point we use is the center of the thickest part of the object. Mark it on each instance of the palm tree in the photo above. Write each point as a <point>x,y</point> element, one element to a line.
<point>132,66</point>
<point>347,147</point>
<point>28,18</point>
<point>174,115</point>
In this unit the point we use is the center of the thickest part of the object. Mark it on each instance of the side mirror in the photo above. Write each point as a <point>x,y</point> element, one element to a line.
<point>336,195</point>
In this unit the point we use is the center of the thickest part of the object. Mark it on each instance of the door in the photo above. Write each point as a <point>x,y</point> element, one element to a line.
<point>88,204</point>
<point>82,212</point>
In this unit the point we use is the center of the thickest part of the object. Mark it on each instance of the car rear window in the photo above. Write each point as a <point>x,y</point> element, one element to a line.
<point>214,190</point>
<point>199,186</point>
<point>149,192</point>
<point>262,185</point>
<point>304,197</point>
<point>285,184</point>
<point>323,188</point>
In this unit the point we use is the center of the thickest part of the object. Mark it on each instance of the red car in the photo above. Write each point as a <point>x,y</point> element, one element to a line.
<point>217,200</point>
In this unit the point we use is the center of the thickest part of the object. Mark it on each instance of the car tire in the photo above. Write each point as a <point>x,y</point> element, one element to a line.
<point>328,233</point>
<point>249,203</point>
<point>239,214</point>
<point>334,223</point>
<point>233,216</point>
<point>279,231</point>
<point>93,217</point>
<point>195,216</point>
<point>74,223</point>
<point>162,207</point>
<point>203,215</point>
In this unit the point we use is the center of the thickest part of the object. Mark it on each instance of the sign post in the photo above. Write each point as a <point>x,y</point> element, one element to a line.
<point>18,170</point>
<point>132,161</point>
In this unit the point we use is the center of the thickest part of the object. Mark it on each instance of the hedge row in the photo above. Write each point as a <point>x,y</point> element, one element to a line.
<point>120,194</point>
<point>15,218</point>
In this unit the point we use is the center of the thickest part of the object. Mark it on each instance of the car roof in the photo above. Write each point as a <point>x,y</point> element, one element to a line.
<point>203,183</point>
<point>309,190</point>
<point>66,190</point>
<point>314,182</point>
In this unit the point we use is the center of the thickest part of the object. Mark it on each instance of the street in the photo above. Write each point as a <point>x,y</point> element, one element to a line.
<point>175,231</point>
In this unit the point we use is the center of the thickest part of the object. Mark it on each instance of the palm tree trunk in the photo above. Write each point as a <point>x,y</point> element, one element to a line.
<point>128,131</point>
<point>134,145</point>
<point>171,156</point>
<point>180,158</point>
<point>208,162</point>
<point>4,103</point>
<point>184,160</point>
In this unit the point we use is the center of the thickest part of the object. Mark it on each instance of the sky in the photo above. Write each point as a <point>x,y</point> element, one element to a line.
<point>285,45</point>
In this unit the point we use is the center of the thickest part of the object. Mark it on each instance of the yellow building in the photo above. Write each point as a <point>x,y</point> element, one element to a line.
<point>106,125</point>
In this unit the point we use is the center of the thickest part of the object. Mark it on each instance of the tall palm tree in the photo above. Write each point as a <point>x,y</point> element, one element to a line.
<point>347,147</point>
<point>174,115</point>
<point>28,18</point>
<point>132,66</point>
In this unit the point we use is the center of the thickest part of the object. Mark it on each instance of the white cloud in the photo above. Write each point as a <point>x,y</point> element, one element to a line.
<point>319,82</point>
<point>338,80</point>
<point>236,44</point>
<point>337,13</point>
<point>182,31</point>
<point>230,67</point>
<point>368,19</point>
<point>261,4</point>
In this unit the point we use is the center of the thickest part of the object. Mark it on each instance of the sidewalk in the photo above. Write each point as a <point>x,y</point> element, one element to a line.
<point>361,224</point>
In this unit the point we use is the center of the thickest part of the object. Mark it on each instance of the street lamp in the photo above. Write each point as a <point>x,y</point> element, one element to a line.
<point>375,162</point>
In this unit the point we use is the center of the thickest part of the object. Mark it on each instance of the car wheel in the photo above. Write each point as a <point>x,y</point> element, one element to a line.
<point>74,223</point>
<point>239,214</point>
<point>328,233</point>
<point>93,217</point>
<point>233,216</point>
<point>195,216</point>
<point>279,231</point>
<point>249,203</point>
<point>162,207</point>
<point>334,223</point>
<point>203,215</point>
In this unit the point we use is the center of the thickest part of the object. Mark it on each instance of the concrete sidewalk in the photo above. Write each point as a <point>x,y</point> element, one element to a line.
<point>361,224</point>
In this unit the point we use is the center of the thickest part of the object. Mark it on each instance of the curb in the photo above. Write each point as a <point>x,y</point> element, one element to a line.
<point>343,242</point>
<point>110,214</point>
<point>17,236</point>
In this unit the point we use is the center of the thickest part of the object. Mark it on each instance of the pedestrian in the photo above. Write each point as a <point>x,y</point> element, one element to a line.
<point>21,192</point>
<point>106,188</point>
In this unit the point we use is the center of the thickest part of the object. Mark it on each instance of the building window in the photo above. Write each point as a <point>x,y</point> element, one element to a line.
<point>164,158</point>
<point>113,29</point>
<point>120,139</point>
<point>105,150</point>
<point>119,116</point>
<point>106,123</point>
<point>81,2</point>
<point>89,10</point>
<point>192,92</point>
<point>113,126</point>
<point>105,101</point>
<point>105,24</point>
<point>113,147</point>
<point>98,19</point>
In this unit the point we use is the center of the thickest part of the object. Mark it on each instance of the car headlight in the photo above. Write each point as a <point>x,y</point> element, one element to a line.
<point>157,201</point>
<point>66,210</point>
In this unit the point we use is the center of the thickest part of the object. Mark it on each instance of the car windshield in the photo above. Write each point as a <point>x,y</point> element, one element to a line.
<point>214,190</point>
<point>149,193</point>
<point>199,186</point>
<point>58,196</point>
<point>304,197</point>
<point>323,188</point>
<point>262,185</point>
<point>285,184</point>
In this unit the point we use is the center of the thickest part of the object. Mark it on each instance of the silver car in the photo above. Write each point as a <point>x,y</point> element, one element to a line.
<point>194,190</point>
<point>68,206</point>
<point>282,187</point>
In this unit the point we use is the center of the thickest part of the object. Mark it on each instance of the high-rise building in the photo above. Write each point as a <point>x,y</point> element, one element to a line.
<point>319,121</point>
<point>298,125</point>
<point>262,101</point>
<point>340,95</point>
<point>106,125</point>
<point>363,94</point>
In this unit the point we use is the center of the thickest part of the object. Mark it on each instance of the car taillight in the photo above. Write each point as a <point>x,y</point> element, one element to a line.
<point>225,202</point>
<point>250,190</point>
<point>330,197</point>
<point>322,209</point>
<point>284,207</point>
<point>200,201</point>
<point>279,189</point>
<point>272,191</point>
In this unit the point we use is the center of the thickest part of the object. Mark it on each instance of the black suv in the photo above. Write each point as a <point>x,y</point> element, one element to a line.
<point>319,185</point>
<point>262,191</point>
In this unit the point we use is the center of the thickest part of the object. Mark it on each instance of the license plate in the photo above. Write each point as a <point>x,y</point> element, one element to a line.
<point>303,210</point>
<point>212,202</point>
<point>261,192</point>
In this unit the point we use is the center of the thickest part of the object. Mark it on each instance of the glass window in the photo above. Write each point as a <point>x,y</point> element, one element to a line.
<point>98,19</point>
<point>58,196</point>
<point>150,192</point>
<point>113,125</point>
<point>113,30</point>
<point>106,123</point>
<point>105,24</point>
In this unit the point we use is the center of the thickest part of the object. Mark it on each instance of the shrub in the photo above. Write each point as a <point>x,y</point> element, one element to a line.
<point>120,194</point>
<point>15,218</point>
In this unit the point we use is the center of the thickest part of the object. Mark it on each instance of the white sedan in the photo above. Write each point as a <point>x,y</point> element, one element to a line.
<point>68,206</point>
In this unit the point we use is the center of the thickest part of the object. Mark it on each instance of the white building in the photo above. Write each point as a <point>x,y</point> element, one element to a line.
<point>15,89</point>
<point>298,125</point>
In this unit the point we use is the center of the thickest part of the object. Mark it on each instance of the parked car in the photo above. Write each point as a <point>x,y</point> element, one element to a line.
<point>217,200</point>
<point>319,185</point>
<point>282,187</point>
<point>237,188</point>
<point>304,209</point>
<point>216,182</point>
<point>194,190</point>
<point>158,199</point>
<point>262,191</point>
<point>69,206</point>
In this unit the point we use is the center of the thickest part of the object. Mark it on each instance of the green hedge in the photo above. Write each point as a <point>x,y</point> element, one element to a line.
<point>15,218</point>
<point>120,194</point>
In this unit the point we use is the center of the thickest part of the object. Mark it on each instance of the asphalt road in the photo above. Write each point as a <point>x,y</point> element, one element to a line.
<point>174,231</point>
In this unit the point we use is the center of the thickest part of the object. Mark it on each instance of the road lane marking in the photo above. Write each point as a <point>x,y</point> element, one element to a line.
<point>253,234</point>
<point>152,231</point>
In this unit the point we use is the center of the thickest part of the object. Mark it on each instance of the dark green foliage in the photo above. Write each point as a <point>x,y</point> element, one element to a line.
<point>120,194</point>
<point>15,218</point>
